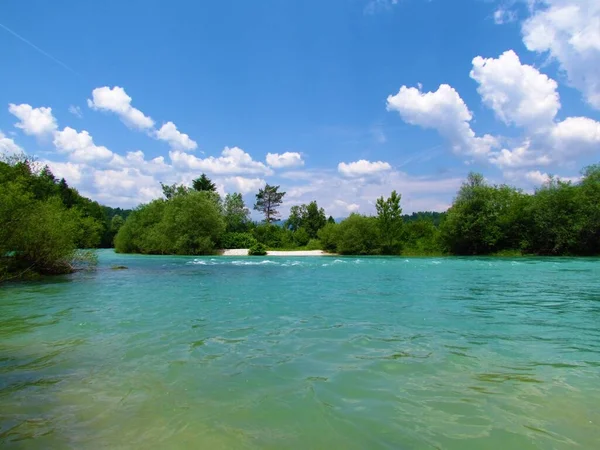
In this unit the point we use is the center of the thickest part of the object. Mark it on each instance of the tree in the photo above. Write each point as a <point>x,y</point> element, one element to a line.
<point>203,183</point>
<point>267,202</point>
<point>172,190</point>
<point>116,223</point>
<point>188,224</point>
<point>389,219</point>
<point>310,217</point>
<point>237,216</point>
<point>357,235</point>
<point>331,220</point>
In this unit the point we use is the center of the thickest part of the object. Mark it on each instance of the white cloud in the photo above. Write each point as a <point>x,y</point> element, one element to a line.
<point>243,185</point>
<point>576,135</point>
<point>71,172</point>
<point>232,161</point>
<point>117,101</point>
<point>8,146</point>
<point>502,15</point>
<point>518,93</point>
<point>348,207</point>
<point>287,159</point>
<point>80,146</point>
<point>444,111</point>
<point>569,31</point>
<point>33,121</point>
<point>176,139</point>
<point>362,168</point>
<point>536,177</point>
<point>340,195</point>
<point>76,111</point>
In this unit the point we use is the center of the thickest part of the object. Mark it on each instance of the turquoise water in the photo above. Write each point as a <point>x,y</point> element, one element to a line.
<point>352,353</point>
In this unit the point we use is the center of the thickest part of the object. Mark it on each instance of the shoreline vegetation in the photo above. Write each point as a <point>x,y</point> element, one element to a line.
<point>44,223</point>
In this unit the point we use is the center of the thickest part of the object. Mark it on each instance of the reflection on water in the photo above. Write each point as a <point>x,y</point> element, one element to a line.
<point>350,353</point>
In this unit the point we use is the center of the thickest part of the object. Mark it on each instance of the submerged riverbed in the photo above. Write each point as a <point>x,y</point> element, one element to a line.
<point>313,352</point>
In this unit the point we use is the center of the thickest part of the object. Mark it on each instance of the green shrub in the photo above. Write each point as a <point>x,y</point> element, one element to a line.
<point>358,235</point>
<point>328,237</point>
<point>313,244</point>
<point>257,250</point>
<point>301,237</point>
<point>238,240</point>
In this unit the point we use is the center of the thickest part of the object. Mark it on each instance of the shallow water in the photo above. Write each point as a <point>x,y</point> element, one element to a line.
<point>353,353</point>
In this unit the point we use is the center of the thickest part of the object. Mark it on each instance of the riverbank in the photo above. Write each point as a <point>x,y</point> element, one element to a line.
<point>244,252</point>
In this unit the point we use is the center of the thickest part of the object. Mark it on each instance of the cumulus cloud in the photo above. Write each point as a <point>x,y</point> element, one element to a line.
<point>176,139</point>
<point>233,161</point>
<point>536,177</point>
<point>242,184</point>
<point>33,121</point>
<point>340,195</point>
<point>117,101</point>
<point>348,207</point>
<point>517,93</point>
<point>8,146</point>
<point>287,159</point>
<point>362,167</point>
<point>569,32</point>
<point>521,95</point>
<point>80,146</point>
<point>444,111</point>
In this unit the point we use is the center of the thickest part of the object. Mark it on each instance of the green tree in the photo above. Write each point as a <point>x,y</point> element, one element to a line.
<point>203,183</point>
<point>357,235</point>
<point>389,219</point>
<point>310,217</point>
<point>172,190</point>
<point>237,216</point>
<point>267,202</point>
<point>188,224</point>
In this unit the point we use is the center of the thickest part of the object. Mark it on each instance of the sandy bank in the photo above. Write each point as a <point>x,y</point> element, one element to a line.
<point>244,252</point>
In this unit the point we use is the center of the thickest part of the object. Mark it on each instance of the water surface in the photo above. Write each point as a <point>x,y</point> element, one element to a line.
<point>353,353</point>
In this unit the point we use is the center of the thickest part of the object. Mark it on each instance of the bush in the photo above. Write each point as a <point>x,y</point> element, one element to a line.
<point>301,237</point>
<point>358,235</point>
<point>313,244</point>
<point>328,237</point>
<point>257,250</point>
<point>187,224</point>
<point>238,240</point>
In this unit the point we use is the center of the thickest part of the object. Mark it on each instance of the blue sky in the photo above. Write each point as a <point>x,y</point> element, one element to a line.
<point>339,101</point>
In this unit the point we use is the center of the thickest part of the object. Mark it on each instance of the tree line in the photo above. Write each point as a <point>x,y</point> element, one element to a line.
<point>44,221</point>
<point>559,218</point>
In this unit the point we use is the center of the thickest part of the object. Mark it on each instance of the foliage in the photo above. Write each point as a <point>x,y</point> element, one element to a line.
<point>358,235</point>
<point>172,190</point>
<point>42,221</point>
<point>186,224</point>
<point>314,244</point>
<point>274,236</point>
<point>301,237</point>
<point>237,240</point>
<point>484,218</point>
<point>267,202</point>
<point>309,217</point>
<point>257,249</point>
<point>203,183</point>
<point>328,237</point>
<point>389,220</point>
<point>237,216</point>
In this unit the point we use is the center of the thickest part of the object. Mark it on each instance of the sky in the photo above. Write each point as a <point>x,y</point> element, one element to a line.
<point>339,101</point>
